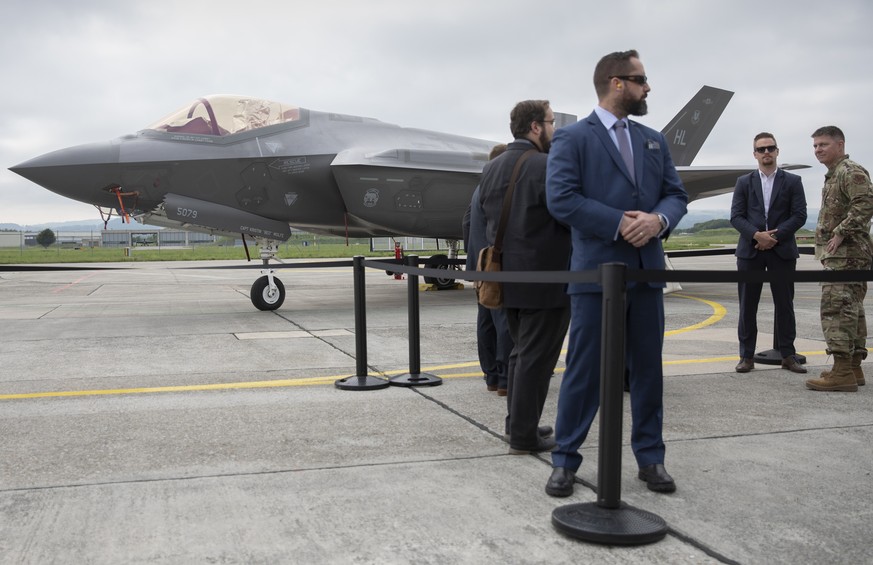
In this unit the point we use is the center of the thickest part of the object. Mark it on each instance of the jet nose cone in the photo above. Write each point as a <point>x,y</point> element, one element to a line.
<point>81,172</point>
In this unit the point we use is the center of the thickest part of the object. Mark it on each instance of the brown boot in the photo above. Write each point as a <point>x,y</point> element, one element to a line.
<point>839,379</point>
<point>856,367</point>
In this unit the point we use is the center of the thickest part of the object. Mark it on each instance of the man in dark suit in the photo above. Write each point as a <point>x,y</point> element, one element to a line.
<point>613,182</point>
<point>768,207</point>
<point>537,313</point>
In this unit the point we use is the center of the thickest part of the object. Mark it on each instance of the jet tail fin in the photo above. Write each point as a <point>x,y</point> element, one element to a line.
<point>689,129</point>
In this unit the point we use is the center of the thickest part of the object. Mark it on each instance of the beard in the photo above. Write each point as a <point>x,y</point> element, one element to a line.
<point>635,107</point>
<point>545,141</point>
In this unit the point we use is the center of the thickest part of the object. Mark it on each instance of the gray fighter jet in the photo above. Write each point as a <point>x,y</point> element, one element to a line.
<point>235,165</point>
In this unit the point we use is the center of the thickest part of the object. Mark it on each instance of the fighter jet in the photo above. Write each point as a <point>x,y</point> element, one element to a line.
<point>232,165</point>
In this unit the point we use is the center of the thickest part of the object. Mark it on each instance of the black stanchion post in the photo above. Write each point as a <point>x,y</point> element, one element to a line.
<point>361,381</point>
<point>612,365</point>
<point>774,356</point>
<point>609,520</point>
<point>414,377</point>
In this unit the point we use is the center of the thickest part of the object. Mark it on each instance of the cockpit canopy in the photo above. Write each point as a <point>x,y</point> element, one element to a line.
<point>225,115</point>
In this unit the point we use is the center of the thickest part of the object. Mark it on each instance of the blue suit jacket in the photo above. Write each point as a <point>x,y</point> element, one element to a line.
<point>787,213</point>
<point>588,188</point>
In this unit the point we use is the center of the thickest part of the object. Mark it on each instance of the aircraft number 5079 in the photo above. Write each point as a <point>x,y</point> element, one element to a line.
<point>186,212</point>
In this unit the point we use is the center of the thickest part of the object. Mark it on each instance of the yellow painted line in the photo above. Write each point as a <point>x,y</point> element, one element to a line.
<point>719,312</point>
<point>731,358</point>
<point>181,388</point>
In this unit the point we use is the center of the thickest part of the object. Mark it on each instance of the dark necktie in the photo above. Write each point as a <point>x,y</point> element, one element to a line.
<point>624,147</point>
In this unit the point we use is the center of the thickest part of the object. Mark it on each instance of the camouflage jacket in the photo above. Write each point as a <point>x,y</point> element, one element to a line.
<point>846,208</point>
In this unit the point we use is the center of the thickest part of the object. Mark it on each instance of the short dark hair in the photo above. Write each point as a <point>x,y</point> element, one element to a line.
<point>524,114</point>
<point>764,135</point>
<point>829,131</point>
<point>614,64</point>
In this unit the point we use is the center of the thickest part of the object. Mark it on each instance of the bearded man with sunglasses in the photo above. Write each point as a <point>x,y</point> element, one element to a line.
<point>768,207</point>
<point>612,180</point>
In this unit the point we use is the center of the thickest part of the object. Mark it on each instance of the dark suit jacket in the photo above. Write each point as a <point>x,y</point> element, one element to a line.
<point>787,213</point>
<point>589,188</point>
<point>534,240</point>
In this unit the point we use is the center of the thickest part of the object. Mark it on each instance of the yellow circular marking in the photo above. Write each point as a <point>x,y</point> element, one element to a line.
<point>718,312</point>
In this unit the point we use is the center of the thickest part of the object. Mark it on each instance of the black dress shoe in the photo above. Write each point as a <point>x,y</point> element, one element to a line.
<point>792,365</point>
<point>543,444</point>
<point>561,482</point>
<point>657,478</point>
<point>542,431</point>
<point>745,365</point>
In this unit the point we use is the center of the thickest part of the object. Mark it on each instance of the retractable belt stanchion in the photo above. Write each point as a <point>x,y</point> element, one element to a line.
<point>609,520</point>
<point>361,381</point>
<point>774,356</point>
<point>414,377</point>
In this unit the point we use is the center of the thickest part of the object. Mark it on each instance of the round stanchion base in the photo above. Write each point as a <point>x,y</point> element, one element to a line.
<point>773,357</point>
<point>361,383</point>
<point>624,525</point>
<point>415,379</point>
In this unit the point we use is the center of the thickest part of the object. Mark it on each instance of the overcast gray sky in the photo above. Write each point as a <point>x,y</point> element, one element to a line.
<point>92,70</point>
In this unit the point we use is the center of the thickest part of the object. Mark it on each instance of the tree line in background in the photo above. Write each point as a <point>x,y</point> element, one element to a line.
<point>707,225</point>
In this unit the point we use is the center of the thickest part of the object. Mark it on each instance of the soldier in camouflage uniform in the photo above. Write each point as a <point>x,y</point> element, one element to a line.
<point>842,243</point>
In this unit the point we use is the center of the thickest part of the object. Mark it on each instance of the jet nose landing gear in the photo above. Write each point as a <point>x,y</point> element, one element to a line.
<point>268,292</point>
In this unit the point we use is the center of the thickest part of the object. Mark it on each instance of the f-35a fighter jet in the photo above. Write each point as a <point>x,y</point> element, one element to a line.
<point>239,165</point>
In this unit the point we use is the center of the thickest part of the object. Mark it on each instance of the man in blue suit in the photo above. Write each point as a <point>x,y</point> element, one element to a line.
<point>613,181</point>
<point>768,207</point>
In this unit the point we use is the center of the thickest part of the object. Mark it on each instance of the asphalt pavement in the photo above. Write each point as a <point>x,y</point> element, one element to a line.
<point>151,414</point>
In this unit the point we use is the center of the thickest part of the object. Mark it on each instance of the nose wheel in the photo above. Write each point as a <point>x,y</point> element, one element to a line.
<point>268,292</point>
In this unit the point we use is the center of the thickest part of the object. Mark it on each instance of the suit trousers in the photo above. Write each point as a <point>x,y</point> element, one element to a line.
<point>579,397</point>
<point>538,335</point>
<point>783,301</point>
<point>494,345</point>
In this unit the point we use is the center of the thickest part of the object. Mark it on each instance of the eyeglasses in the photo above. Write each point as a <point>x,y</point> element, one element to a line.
<point>639,79</point>
<point>548,122</point>
<point>766,149</point>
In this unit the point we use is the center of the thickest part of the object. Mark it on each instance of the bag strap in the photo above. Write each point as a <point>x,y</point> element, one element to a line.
<point>507,198</point>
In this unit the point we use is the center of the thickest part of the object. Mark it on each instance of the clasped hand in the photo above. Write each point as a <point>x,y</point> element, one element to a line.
<point>765,240</point>
<point>638,227</point>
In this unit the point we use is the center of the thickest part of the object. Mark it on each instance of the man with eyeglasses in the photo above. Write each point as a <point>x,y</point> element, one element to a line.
<point>613,182</point>
<point>768,207</point>
<point>842,243</point>
<point>537,314</point>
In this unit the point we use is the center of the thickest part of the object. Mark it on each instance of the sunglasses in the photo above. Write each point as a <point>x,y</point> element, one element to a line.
<point>766,149</point>
<point>639,79</point>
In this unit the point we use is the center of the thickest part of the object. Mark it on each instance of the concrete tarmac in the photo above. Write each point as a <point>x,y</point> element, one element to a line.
<point>153,415</point>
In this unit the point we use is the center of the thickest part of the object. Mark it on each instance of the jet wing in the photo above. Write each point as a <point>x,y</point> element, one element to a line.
<point>703,182</point>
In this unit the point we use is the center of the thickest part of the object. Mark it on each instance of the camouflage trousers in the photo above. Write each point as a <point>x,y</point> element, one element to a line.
<point>842,317</point>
